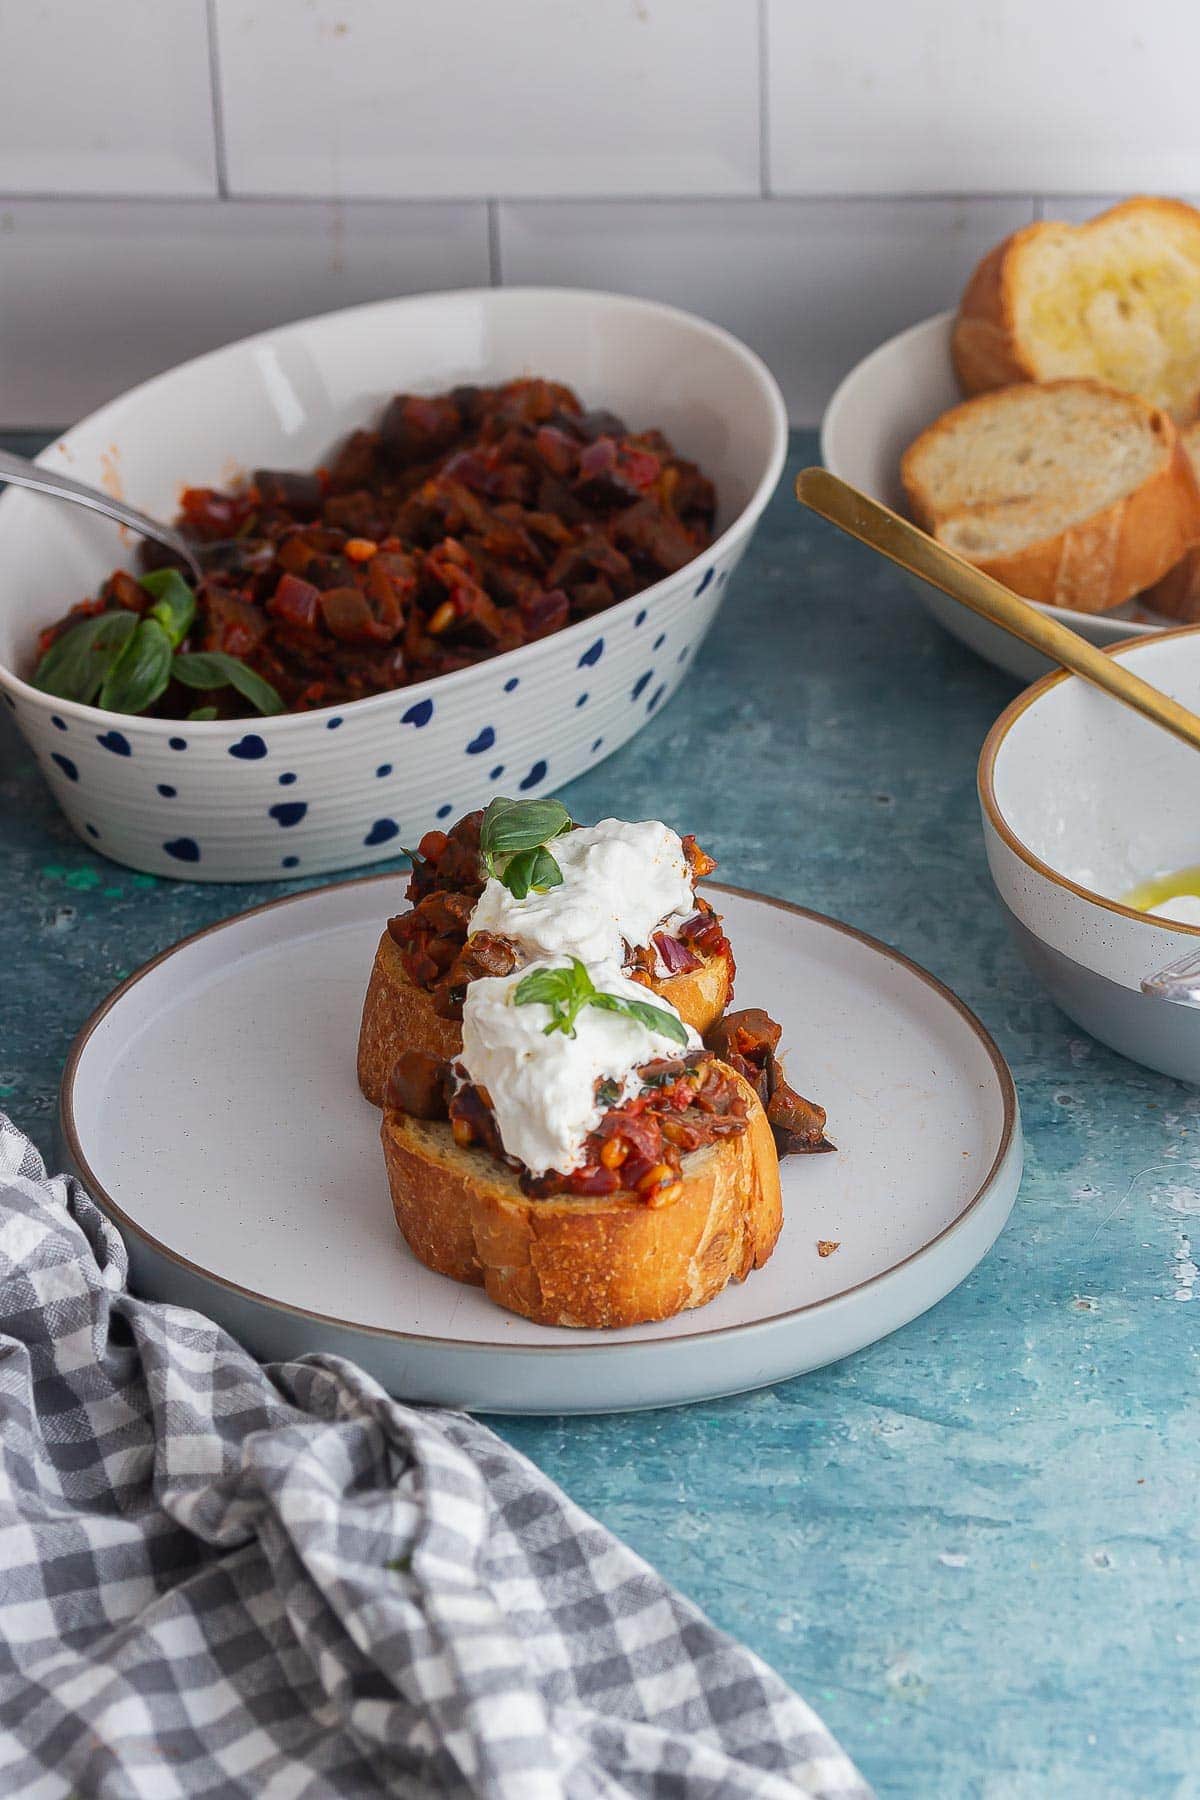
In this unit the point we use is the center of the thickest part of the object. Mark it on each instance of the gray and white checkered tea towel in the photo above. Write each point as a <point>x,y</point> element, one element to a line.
<point>221,1579</point>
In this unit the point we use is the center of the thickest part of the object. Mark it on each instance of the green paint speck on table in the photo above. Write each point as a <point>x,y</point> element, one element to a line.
<point>974,1546</point>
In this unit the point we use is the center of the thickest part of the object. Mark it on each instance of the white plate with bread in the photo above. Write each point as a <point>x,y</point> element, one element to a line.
<point>212,1106</point>
<point>1047,428</point>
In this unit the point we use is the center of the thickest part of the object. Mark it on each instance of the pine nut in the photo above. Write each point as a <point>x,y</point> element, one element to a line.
<point>655,1177</point>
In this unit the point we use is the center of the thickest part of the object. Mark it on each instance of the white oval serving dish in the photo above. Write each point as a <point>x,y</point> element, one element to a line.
<point>211,1107</point>
<point>878,409</point>
<point>1083,800</point>
<point>339,787</point>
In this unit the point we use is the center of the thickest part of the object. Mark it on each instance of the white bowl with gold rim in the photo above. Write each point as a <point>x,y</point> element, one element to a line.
<point>1083,801</point>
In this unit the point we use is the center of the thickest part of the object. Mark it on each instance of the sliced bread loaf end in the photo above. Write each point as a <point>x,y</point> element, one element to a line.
<point>1068,491</point>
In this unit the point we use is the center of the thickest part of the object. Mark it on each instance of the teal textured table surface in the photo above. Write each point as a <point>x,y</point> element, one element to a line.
<point>973,1547</point>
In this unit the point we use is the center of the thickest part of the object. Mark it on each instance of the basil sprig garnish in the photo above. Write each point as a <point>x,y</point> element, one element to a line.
<point>174,603</point>
<point>75,665</point>
<point>214,669</point>
<point>567,991</point>
<point>141,672</point>
<point>125,662</point>
<point>513,839</point>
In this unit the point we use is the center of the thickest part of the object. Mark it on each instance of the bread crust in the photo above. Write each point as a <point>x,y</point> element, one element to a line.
<point>1103,560</point>
<point>586,1261</point>
<point>398,1016</point>
<point>1177,595</point>
<point>985,346</point>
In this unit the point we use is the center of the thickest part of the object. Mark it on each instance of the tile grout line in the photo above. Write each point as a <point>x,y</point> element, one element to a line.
<point>218,110</point>
<point>495,265</point>
<point>764,105</point>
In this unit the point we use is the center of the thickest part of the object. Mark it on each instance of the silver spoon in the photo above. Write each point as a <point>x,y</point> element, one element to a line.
<point>22,473</point>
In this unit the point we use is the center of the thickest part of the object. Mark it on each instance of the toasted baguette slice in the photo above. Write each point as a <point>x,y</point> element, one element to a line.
<point>1177,595</point>
<point>1069,492</point>
<point>1117,299</point>
<point>582,1260</point>
<point>398,1016</point>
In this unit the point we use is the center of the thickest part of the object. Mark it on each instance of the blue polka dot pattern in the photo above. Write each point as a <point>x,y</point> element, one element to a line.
<point>167,791</point>
<point>419,714</point>
<point>183,849</point>
<point>597,745</point>
<point>496,773</point>
<point>704,581</point>
<point>332,724</point>
<point>655,697</point>
<point>684,654</point>
<point>289,862</point>
<point>116,741</point>
<point>641,619</point>
<point>177,743</point>
<point>382,770</point>
<point>536,774</point>
<point>591,655</point>
<point>59,724</point>
<point>513,682</point>
<point>482,741</point>
<point>287,778</point>
<point>382,832</point>
<point>66,765</point>
<point>582,701</point>
<point>91,831</point>
<point>443,812</point>
<point>288,812</point>
<point>640,684</point>
<point>249,748</point>
<point>660,640</point>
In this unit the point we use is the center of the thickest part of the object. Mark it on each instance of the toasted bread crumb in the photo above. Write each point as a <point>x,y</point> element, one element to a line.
<point>827,1246</point>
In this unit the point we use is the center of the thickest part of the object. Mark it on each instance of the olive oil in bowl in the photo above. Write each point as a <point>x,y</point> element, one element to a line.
<point>1173,896</point>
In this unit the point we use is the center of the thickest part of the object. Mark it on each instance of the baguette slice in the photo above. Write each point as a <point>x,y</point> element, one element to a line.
<point>582,1260</point>
<point>1117,299</point>
<point>398,1016</point>
<point>1177,595</point>
<point>1069,492</point>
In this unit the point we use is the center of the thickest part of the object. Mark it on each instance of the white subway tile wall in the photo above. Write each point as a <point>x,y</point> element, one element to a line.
<point>937,96</point>
<point>99,296</point>
<point>192,171</point>
<point>463,98</point>
<point>106,99</point>
<point>811,284</point>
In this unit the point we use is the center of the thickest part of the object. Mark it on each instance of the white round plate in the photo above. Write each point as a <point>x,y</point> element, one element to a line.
<point>211,1107</point>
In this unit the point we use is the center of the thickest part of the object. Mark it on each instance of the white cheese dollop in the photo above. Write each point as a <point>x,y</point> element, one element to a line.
<point>543,1088</point>
<point>1184,908</point>
<point>621,879</point>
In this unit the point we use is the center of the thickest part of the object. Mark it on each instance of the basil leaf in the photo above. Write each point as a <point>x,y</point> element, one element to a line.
<point>544,987</point>
<point>655,1018</point>
<point>203,712</point>
<point>512,825</point>
<point>214,669</point>
<point>141,672</point>
<point>564,991</point>
<point>529,870</point>
<point>174,603</point>
<point>75,665</point>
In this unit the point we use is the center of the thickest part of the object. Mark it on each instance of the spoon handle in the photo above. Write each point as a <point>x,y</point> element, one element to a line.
<point>21,473</point>
<point>914,550</point>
